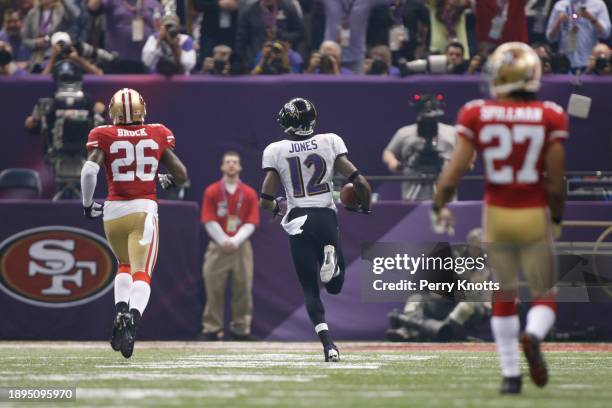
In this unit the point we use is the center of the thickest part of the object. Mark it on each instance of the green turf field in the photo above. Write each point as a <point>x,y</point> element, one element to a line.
<point>293,375</point>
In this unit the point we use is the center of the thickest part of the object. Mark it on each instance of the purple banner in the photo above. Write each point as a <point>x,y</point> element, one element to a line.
<point>177,289</point>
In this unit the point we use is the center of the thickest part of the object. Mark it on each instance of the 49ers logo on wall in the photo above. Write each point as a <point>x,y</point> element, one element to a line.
<point>56,266</point>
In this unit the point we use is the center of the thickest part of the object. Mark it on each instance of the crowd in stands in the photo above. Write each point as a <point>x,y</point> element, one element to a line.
<point>267,37</point>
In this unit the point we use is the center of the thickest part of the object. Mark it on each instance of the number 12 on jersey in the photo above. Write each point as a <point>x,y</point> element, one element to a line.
<point>315,185</point>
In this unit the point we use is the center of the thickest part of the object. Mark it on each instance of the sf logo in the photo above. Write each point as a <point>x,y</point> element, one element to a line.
<point>55,258</point>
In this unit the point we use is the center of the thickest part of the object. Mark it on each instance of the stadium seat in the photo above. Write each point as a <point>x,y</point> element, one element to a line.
<point>25,179</point>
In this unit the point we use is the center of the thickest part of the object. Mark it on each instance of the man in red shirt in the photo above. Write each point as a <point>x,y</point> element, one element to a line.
<point>520,140</point>
<point>500,21</point>
<point>230,214</point>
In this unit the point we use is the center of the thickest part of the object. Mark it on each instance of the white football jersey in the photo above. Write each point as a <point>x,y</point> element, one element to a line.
<point>306,168</point>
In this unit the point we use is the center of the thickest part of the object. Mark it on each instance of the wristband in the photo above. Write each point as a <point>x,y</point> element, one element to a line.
<point>267,197</point>
<point>353,176</point>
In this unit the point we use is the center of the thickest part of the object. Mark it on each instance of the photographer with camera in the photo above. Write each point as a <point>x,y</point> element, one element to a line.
<point>599,62</point>
<point>62,49</point>
<point>168,51</point>
<point>420,150</point>
<point>219,63</point>
<point>327,61</point>
<point>274,60</point>
<point>65,121</point>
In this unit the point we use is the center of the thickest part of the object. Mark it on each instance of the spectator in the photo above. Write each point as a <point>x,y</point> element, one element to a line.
<point>379,62</point>
<point>577,25</point>
<point>500,21</point>
<point>346,23</point>
<point>267,20</point>
<point>295,59</point>
<point>62,49</point>
<point>24,6</point>
<point>128,24</point>
<point>168,51</point>
<point>219,63</point>
<point>545,54</point>
<point>274,60</point>
<point>455,61</point>
<point>447,19</point>
<point>7,65</point>
<point>599,62</point>
<point>11,33</point>
<point>328,60</point>
<point>230,214</point>
<point>41,22</point>
<point>219,23</point>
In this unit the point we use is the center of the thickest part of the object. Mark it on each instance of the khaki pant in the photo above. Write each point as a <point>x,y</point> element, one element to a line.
<point>125,234</point>
<point>520,239</point>
<point>218,268</point>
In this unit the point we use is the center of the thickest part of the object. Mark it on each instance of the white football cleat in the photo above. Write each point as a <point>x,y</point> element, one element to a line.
<point>329,269</point>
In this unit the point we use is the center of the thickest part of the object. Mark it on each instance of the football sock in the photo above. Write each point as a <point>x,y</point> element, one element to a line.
<point>123,284</point>
<point>141,290</point>
<point>540,319</point>
<point>505,332</point>
<point>323,332</point>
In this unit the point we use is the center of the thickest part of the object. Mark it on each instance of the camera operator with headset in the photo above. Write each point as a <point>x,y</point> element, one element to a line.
<point>168,51</point>
<point>421,149</point>
<point>62,49</point>
<point>65,121</point>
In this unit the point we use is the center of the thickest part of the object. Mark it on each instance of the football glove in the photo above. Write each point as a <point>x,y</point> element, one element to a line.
<point>359,209</point>
<point>166,181</point>
<point>280,207</point>
<point>94,211</point>
<point>442,221</point>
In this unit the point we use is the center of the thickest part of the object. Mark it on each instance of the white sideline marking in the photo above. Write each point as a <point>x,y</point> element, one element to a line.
<point>139,376</point>
<point>137,393</point>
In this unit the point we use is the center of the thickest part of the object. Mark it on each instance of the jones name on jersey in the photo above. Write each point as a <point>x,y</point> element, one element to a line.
<point>306,168</point>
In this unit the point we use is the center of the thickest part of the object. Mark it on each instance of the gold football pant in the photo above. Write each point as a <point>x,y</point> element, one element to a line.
<point>132,244</point>
<point>520,239</point>
<point>217,269</point>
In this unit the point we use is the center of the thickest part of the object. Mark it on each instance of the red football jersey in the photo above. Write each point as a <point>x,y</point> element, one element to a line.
<point>131,158</point>
<point>513,138</point>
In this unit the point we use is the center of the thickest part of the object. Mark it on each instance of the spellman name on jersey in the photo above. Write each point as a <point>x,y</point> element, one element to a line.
<point>511,114</point>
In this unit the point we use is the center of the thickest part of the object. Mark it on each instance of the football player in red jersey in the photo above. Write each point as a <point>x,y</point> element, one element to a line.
<point>130,151</point>
<point>519,139</point>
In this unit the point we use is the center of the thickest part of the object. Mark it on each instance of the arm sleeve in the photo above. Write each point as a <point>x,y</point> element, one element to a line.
<point>151,52</point>
<point>243,234</point>
<point>557,124</point>
<point>188,55</point>
<point>338,145</point>
<point>209,207</point>
<point>466,121</point>
<point>603,17</point>
<point>215,232</point>
<point>89,178</point>
<point>554,16</point>
<point>268,161</point>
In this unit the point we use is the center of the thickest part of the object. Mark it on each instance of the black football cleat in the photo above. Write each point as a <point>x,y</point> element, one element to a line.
<point>332,354</point>
<point>130,320</point>
<point>511,385</point>
<point>117,336</point>
<point>537,366</point>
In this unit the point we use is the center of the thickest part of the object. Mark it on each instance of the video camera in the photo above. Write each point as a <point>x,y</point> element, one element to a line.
<point>429,110</point>
<point>65,120</point>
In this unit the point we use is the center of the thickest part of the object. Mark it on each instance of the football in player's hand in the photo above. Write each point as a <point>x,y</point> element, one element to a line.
<point>348,196</point>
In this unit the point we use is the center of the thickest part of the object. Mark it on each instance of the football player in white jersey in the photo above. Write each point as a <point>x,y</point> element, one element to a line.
<point>305,164</point>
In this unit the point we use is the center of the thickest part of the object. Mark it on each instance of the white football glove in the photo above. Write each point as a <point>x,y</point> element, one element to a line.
<point>442,221</point>
<point>95,210</point>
